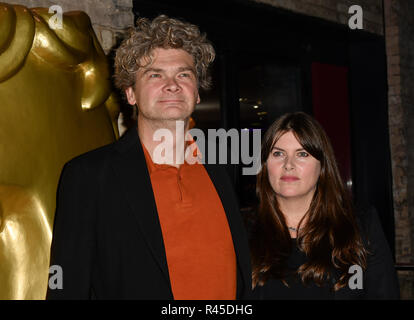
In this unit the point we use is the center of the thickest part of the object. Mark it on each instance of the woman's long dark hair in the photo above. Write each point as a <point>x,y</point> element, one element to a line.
<point>330,238</point>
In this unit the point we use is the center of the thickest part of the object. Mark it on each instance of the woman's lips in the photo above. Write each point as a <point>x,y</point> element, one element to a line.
<point>289,178</point>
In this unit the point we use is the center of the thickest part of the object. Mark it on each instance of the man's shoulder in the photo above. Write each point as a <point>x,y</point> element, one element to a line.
<point>93,157</point>
<point>104,154</point>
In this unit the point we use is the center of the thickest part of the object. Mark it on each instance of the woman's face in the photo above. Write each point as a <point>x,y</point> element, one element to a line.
<point>293,172</point>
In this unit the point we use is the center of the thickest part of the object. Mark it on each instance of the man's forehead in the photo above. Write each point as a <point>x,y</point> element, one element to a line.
<point>160,57</point>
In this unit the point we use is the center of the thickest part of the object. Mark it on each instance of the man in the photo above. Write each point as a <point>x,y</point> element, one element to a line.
<point>127,227</point>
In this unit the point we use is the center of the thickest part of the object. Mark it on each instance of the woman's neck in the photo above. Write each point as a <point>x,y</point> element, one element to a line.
<point>294,209</point>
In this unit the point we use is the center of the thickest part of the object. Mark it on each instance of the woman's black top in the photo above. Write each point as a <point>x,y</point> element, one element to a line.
<point>379,279</point>
<point>275,289</point>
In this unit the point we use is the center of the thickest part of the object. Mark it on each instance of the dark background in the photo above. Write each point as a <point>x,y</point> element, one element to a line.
<point>281,62</point>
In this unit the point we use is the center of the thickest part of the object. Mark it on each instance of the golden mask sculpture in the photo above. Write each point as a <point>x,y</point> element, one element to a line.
<point>55,103</point>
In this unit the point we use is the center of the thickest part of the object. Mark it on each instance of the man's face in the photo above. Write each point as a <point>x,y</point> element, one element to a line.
<point>167,88</point>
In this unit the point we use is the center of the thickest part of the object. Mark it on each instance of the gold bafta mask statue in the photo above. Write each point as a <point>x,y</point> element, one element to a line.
<point>55,103</point>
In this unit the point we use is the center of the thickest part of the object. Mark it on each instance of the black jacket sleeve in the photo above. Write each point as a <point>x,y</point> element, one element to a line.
<point>73,235</point>
<point>380,277</point>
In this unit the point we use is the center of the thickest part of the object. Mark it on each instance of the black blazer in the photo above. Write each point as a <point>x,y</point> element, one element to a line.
<point>107,237</point>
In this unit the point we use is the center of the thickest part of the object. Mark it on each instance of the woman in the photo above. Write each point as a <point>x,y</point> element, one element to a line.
<point>307,240</point>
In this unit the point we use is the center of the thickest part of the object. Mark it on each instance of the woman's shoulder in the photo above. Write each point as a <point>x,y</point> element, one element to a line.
<point>371,229</point>
<point>367,218</point>
<point>381,278</point>
<point>249,215</point>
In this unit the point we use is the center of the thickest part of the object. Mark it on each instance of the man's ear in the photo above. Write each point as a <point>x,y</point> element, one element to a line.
<point>198,99</point>
<point>130,94</point>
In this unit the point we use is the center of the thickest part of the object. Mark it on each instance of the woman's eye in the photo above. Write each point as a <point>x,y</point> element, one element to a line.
<point>277,154</point>
<point>303,154</point>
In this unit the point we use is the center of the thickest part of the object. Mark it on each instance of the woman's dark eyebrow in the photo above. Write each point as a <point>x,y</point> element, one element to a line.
<point>301,149</point>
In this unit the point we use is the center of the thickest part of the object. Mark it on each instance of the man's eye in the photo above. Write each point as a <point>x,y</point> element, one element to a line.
<point>185,75</point>
<point>303,154</point>
<point>155,75</point>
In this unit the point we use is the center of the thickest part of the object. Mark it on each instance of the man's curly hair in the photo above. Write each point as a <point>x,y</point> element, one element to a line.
<point>162,32</point>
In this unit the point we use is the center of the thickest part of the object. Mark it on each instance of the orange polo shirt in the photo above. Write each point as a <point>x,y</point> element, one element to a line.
<point>198,243</point>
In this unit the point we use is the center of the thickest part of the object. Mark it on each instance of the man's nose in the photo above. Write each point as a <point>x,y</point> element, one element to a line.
<point>172,85</point>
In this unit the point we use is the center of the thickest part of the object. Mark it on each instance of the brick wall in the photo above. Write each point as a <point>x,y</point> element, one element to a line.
<point>335,10</point>
<point>399,31</point>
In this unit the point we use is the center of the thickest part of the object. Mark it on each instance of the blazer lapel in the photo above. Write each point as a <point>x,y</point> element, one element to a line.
<point>131,167</point>
<point>239,235</point>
